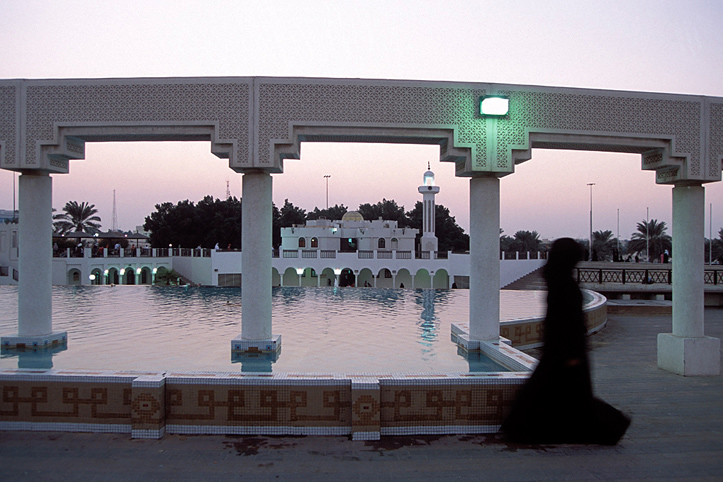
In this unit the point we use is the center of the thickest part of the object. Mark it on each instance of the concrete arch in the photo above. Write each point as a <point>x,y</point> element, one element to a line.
<point>275,277</point>
<point>365,278</point>
<point>422,279</point>
<point>128,276</point>
<point>450,149</point>
<point>73,277</point>
<point>441,280</point>
<point>290,277</point>
<point>678,136</point>
<point>146,276</point>
<point>98,276</point>
<point>384,278</point>
<point>309,278</point>
<point>327,277</point>
<point>113,276</point>
<point>347,278</point>
<point>403,279</point>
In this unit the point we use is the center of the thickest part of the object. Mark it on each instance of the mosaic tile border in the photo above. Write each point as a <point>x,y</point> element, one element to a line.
<point>254,430</point>
<point>150,405</point>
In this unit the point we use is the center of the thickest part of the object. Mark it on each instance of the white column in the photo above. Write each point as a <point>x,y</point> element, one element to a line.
<point>484,252</point>
<point>687,351</point>
<point>35,260</point>
<point>688,259</point>
<point>256,231</point>
<point>35,265</point>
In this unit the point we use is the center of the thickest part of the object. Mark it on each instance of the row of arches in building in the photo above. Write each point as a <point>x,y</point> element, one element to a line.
<point>118,276</point>
<point>384,278</point>
<point>381,243</point>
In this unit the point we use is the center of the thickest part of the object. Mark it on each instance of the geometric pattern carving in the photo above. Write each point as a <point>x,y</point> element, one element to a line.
<point>273,405</point>
<point>283,103</point>
<point>102,103</point>
<point>8,124</point>
<point>599,113</point>
<point>60,402</point>
<point>715,139</point>
<point>150,404</point>
<point>445,405</point>
<point>258,114</point>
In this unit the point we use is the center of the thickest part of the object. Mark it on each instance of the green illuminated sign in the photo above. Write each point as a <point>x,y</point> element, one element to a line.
<point>494,105</point>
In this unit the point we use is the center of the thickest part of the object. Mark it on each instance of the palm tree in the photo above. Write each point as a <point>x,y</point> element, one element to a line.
<point>602,244</point>
<point>717,246</point>
<point>527,241</point>
<point>650,234</point>
<point>77,217</point>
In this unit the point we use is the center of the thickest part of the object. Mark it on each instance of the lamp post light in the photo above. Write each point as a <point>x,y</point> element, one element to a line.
<point>326,177</point>
<point>299,271</point>
<point>618,236</point>
<point>591,184</point>
<point>337,273</point>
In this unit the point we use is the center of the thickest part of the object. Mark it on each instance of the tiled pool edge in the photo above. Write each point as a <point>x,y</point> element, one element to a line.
<point>524,334</point>
<point>148,405</point>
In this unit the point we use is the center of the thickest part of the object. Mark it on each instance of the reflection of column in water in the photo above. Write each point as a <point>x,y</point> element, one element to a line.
<point>255,362</point>
<point>427,324</point>
<point>40,358</point>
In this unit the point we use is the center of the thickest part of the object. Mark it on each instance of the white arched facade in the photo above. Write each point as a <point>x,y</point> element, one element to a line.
<point>258,122</point>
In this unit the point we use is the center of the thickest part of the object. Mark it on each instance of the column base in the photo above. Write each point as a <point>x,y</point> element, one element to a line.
<point>31,342</point>
<point>271,345</point>
<point>689,356</point>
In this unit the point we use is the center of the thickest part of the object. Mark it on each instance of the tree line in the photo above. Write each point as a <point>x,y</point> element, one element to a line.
<point>215,221</point>
<point>212,221</point>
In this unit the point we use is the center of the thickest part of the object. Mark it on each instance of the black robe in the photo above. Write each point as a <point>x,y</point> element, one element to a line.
<point>556,405</point>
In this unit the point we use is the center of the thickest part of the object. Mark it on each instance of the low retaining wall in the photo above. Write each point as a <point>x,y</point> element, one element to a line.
<point>147,405</point>
<point>526,333</point>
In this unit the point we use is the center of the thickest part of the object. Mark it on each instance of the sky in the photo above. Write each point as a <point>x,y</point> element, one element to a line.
<point>636,45</point>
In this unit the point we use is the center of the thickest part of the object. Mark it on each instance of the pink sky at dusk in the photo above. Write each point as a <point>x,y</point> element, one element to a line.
<point>658,46</point>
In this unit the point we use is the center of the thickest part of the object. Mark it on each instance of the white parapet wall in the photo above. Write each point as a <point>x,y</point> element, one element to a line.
<point>513,269</point>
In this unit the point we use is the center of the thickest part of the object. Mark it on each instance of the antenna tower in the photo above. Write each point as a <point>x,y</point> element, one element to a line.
<point>228,190</point>
<point>114,223</point>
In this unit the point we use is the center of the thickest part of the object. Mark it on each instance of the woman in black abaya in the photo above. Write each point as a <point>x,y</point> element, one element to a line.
<point>557,405</point>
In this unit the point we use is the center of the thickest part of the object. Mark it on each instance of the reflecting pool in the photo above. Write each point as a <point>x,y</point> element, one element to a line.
<point>323,330</point>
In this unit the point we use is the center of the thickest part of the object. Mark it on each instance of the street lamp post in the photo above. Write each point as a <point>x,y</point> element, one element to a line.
<point>591,184</point>
<point>327,176</point>
<point>647,235</point>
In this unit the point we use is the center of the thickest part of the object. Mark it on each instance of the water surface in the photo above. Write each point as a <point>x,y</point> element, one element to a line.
<point>337,330</point>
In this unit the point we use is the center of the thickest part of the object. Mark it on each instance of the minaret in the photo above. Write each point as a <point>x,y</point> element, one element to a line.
<point>428,190</point>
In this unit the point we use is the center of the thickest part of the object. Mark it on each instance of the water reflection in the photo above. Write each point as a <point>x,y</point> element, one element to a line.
<point>339,330</point>
<point>428,324</point>
<point>34,358</point>
<point>255,362</point>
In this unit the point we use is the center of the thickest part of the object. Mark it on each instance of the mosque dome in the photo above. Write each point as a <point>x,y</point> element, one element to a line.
<point>352,216</point>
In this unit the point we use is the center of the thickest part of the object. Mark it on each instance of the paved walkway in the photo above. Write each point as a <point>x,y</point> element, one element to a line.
<point>677,434</point>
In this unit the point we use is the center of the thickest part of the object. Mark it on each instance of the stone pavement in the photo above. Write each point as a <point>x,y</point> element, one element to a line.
<point>676,434</point>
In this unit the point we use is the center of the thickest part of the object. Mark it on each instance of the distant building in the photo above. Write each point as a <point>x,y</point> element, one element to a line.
<point>7,215</point>
<point>352,251</point>
<point>353,233</point>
